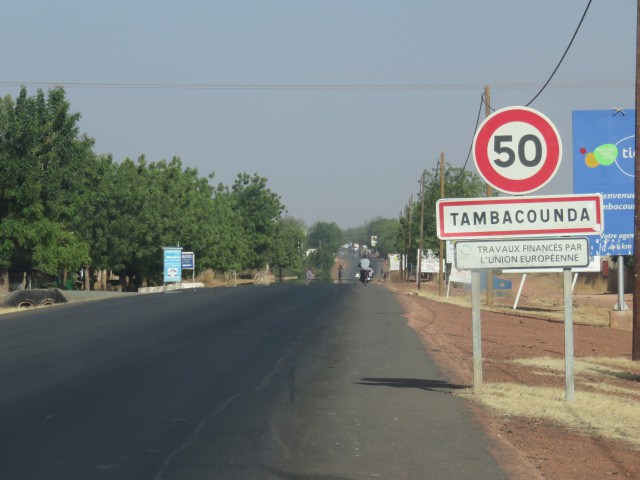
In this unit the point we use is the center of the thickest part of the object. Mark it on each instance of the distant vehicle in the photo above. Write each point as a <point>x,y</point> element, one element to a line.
<point>366,274</point>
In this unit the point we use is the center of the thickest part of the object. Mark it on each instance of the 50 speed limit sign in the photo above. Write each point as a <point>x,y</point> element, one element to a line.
<point>517,150</point>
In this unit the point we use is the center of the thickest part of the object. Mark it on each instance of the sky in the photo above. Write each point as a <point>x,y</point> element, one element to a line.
<point>340,104</point>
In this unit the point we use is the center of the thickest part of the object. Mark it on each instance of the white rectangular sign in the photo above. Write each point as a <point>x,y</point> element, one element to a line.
<point>460,276</point>
<point>559,252</point>
<point>394,261</point>
<point>430,264</point>
<point>497,217</point>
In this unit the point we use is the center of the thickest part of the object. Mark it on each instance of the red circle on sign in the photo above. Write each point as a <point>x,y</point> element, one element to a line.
<point>551,161</point>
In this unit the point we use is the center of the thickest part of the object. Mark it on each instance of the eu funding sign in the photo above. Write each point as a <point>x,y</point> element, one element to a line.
<point>544,216</point>
<point>561,252</point>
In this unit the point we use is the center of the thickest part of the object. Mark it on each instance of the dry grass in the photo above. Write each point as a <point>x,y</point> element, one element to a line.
<point>615,368</point>
<point>607,398</point>
<point>211,279</point>
<point>551,308</point>
<point>591,284</point>
<point>595,414</point>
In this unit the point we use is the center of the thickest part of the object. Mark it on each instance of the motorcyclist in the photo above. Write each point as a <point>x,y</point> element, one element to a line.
<point>365,269</point>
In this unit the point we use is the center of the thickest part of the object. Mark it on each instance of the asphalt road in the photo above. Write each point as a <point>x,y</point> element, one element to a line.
<point>318,381</point>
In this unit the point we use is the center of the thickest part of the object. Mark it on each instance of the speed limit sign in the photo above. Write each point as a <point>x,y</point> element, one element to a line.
<point>517,150</point>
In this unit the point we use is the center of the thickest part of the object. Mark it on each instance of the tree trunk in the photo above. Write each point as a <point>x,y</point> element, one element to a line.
<point>4,280</point>
<point>280,274</point>
<point>87,278</point>
<point>64,280</point>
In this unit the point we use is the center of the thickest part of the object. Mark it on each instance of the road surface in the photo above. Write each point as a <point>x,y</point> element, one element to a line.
<point>318,381</point>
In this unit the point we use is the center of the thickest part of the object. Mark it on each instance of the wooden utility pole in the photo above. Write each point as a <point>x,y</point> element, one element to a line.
<point>404,235</point>
<point>487,112</point>
<point>420,248</point>
<point>409,215</point>
<point>635,342</point>
<point>441,269</point>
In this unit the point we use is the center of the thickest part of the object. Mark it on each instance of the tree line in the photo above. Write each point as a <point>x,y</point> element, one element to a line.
<point>65,208</point>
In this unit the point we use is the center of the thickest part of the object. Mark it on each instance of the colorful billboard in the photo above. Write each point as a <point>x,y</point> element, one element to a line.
<point>603,162</point>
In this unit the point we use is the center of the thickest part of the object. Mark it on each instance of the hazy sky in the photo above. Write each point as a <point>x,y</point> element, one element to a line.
<point>358,96</point>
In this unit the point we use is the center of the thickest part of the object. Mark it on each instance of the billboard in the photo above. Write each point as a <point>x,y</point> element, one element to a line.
<point>603,162</point>
<point>172,264</point>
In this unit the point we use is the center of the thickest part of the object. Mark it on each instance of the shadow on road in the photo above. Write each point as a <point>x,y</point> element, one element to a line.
<point>280,474</point>
<point>422,384</point>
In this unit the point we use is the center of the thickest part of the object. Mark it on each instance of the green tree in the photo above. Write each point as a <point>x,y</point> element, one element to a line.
<point>386,231</point>
<point>325,238</point>
<point>228,244</point>
<point>259,208</point>
<point>43,158</point>
<point>286,249</point>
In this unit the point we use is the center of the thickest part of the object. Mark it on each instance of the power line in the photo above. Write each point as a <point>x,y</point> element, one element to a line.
<point>315,86</point>
<point>563,55</point>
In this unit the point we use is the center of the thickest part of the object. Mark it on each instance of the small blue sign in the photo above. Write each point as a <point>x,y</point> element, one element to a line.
<point>603,162</point>
<point>172,264</point>
<point>188,261</point>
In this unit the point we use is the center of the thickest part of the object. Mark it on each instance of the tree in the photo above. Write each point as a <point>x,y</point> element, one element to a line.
<point>228,245</point>
<point>42,165</point>
<point>286,249</point>
<point>386,231</point>
<point>326,238</point>
<point>259,208</point>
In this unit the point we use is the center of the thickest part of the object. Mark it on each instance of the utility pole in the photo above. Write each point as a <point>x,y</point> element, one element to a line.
<point>409,215</point>
<point>400,222</point>
<point>441,270</point>
<point>635,343</point>
<point>422,229</point>
<point>487,112</point>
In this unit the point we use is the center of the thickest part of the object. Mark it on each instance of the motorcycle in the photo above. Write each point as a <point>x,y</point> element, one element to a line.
<point>364,276</point>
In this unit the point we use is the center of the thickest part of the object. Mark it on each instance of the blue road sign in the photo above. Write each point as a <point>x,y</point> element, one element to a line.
<point>188,260</point>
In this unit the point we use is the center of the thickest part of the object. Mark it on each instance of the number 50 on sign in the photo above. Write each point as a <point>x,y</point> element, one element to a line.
<point>517,150</point>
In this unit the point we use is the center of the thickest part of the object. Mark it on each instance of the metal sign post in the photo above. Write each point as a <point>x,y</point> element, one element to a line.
<point>476,327</point>
<point>569,392</point>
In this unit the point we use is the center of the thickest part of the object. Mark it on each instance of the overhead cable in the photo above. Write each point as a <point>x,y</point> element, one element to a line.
<point>563,55</point>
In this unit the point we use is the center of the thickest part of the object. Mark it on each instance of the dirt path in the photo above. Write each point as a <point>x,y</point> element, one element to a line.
<point>550,449</point>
